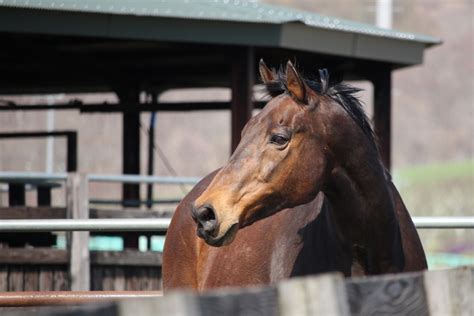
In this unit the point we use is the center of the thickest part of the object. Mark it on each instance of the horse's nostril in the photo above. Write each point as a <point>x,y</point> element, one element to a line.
<point>206,218</point>
<point>206,214</point>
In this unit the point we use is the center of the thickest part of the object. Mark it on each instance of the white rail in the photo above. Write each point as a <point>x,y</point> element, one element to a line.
<point>162,224</point>
<point>26,177</point>
<point>96,225</point>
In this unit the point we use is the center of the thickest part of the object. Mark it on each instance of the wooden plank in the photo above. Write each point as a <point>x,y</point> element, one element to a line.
<point>155,278</point>
<point>125,213</point>
<point>108,278</point>
<point>96,278</point>
<point>3,277</point>
<point>315,295</point>
<point>15,278</point>
<point>243,301</point>
<point>26,212</point>
<point>46,277</point>
<point>33,256</point>
<point>132,281</point>
<point>31,278</point>
<point>119,281</point>
<point>243,77</point>
<point>450,292</point>
<point>127,258</point>
<point>177,303</point>
<point>78,208</point>
<point>61,280</point>
<point>401,294</point>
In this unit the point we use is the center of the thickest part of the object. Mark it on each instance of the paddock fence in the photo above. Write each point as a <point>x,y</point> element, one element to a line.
<point>441,292</point>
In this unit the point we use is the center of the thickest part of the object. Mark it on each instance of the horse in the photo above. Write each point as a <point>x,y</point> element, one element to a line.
<point>304,192</point>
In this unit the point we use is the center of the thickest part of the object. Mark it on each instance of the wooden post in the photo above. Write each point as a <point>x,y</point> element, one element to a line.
<point>71,152</point>
<point>44,194</point>
<point>243,77</point>
<point>131,144</point>
<point>320,295</point>
<point>78,243</point>
<point>16,194</point>
<point>177,303</point>
<point>151,147</point>
<point>450,292</point>
<point>382,83</point>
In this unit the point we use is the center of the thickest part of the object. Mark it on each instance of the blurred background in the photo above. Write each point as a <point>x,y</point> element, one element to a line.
<point>432,125</point>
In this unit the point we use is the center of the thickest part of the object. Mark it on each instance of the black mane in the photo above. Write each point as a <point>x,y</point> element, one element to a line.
<point>342,93</point>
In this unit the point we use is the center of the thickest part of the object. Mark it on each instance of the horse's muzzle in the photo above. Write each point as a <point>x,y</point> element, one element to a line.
<point>208,228</point>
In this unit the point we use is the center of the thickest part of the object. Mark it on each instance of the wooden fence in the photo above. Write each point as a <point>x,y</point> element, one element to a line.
<point>442,292</point>
<point>75,268</point>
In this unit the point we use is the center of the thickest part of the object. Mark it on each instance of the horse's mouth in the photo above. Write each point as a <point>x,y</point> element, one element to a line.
<point>223,240</point>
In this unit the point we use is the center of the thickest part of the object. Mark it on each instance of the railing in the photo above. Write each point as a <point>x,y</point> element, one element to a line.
<point>124,178</point>
<point>444,222</point>
<point>161,224</point>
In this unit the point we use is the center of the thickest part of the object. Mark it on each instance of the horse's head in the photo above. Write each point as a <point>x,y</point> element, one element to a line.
<point>281,161</point>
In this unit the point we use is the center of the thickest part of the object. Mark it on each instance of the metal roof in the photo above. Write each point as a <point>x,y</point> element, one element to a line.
<point>292,28</point>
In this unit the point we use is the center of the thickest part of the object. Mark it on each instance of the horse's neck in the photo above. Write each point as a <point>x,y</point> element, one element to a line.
<point>364,212</point>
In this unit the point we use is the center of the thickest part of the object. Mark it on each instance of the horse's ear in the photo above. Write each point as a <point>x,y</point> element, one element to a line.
<point>266,73</point>
<point>294,83</point>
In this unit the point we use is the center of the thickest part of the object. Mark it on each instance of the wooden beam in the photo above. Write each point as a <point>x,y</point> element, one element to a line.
<point>107,108</point>
<point>78,208</point>
<point>243,77</point>
<point>27,212</point>
<point>34,256</point>
<point>382,82</point>
<point>51,256</point>
<point>127,258</point>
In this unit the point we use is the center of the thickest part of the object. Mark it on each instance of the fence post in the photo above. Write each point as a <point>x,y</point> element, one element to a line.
<point>315,295</point>
<point>77,196</point>
<point>175,303</point>
<point>450,292</point>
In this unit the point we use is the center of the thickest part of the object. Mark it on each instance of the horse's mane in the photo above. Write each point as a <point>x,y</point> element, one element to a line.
<point>340,92</point>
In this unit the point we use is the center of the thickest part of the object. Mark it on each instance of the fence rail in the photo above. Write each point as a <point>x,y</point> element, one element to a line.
<point>6,176</point>
<point>162,224</point>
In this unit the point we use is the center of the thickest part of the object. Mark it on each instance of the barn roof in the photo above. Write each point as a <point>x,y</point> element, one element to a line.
<point>233,22</point>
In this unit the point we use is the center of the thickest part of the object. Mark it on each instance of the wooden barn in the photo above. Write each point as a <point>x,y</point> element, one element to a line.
<point>127,48</point>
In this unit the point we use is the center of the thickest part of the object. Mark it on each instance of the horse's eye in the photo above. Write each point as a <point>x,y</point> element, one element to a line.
<point>279,139</point>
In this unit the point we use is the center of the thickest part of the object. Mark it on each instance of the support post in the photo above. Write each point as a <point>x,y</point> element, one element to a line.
<point>130,145</point>
<point>44,195</point>
<point>151,144</point>
<point>71,140</point>
<point>78,243</point>
<point>16,194</point>
<point>382,83</point>
<point>243,77</point>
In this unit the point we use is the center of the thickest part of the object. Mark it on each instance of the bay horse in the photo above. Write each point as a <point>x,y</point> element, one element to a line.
<point>304,192</point>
